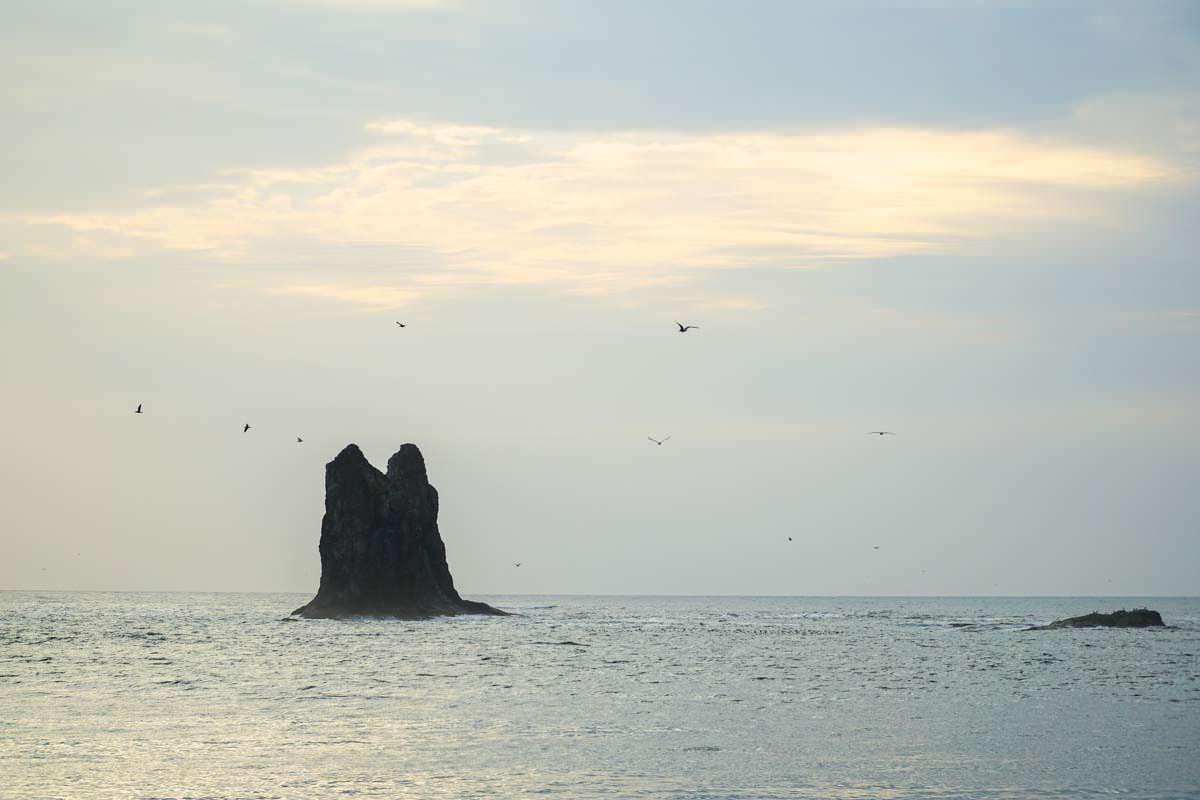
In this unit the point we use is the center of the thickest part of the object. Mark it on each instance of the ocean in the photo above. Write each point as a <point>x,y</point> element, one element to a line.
<point>190,695</point>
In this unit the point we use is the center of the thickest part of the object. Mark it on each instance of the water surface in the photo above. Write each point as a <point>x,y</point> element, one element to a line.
<point>110,695</point>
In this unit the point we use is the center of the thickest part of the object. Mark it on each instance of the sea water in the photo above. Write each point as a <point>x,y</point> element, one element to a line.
<point>108,695</point>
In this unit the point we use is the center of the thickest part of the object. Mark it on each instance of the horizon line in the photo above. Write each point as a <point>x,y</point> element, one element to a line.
<point>657,594</point>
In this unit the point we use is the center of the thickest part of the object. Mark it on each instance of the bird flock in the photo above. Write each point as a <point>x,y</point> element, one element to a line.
<point>659,442</point>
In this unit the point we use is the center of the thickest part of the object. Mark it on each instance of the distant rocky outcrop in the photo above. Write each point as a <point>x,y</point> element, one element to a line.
<point>1137,618</point>
<point>381,552</point>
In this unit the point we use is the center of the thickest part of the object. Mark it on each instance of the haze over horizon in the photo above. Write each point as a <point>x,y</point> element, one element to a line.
<point>973,226</point>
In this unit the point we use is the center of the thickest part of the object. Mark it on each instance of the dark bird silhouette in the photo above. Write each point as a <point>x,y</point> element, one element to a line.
<point>685,328</point>
<point>401,324</point>
<point>517,564</point>
<point>659,442</point>
<point>298,439</point>
<point>881,433</point>
<point>789,538</point>
<point>246,427</point>
<point>875,547</point>
<point>139,409</point>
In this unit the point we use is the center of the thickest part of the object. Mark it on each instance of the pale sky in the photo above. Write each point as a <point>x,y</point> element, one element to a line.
<point>974,224</point>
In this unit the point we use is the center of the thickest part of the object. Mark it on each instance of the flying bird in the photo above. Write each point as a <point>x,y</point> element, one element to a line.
<point>789,538</point>
<point>875,547</point>
<point>298,439</point>
<point>685,328</point>
<point>517,564</point>
<point>401,324</point>
<point>881,433</point>
<point>246,427</point>
<point>139,409</point>
<point>659,442</point>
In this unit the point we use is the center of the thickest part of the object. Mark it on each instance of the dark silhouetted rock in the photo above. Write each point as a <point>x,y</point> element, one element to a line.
<point>1137,618</point>
<point>381,553</point>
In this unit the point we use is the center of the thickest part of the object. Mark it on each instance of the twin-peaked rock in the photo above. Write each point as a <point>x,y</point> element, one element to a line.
<point>381,553</point>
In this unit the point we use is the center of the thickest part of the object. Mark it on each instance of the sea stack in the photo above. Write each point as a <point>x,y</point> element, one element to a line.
<point>381,552</point>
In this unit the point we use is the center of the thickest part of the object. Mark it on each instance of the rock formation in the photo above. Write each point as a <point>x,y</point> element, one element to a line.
<point>1137,618</point>
<point>381,553</point>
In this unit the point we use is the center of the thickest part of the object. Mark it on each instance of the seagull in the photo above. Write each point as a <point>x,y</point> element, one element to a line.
<point>881,433</point>
<point>659,442</point>
<point>685,328</point>
<point>298,439</point>
<point>139,409</point>
<point>246,427</point>
<point>401,324</point>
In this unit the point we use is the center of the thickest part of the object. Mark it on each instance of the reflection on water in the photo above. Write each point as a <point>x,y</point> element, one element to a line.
<point>200,695</point>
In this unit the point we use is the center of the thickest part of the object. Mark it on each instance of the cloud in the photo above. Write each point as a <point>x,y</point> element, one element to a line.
<point>598,212</point>
<point>370,298</point>
<point>202,30</point>
<point>721,303</point>
<point>1176,321</point>
<point>1158,123</point>
<point>380,5</point>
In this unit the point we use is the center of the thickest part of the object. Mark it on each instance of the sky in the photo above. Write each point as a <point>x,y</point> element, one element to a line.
<point>973,224</point>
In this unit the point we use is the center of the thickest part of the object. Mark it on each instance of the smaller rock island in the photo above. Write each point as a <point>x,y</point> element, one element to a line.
<point>1137,618</point>
<point>381,552</point>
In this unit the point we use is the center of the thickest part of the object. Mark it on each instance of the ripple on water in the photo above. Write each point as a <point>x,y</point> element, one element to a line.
<point>176,696</point>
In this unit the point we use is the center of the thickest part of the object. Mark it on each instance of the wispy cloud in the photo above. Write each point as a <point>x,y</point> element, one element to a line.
<point>203,30</point>
<point>598,211</point>
<point>1159,123</point>
<point>380,4</point>
<point>369,298</point>
<point>1183,321</point>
